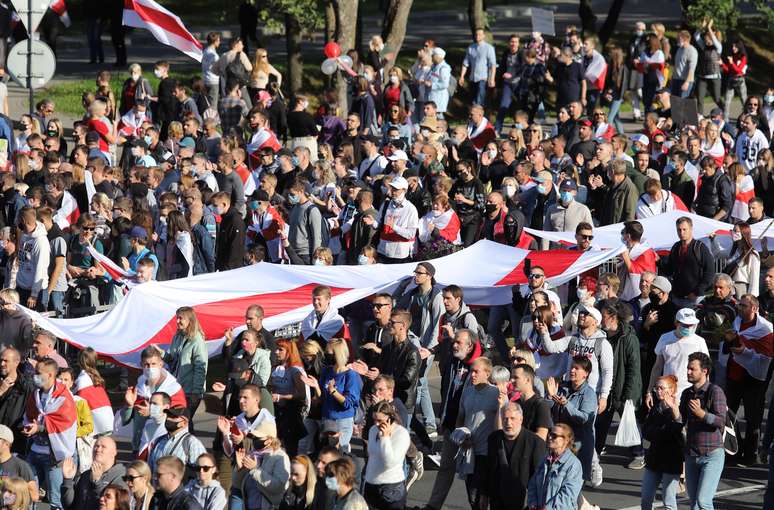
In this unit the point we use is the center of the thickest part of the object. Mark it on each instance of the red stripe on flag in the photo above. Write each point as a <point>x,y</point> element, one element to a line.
<point>162,20</point>
<point>95,396</point>
<point>553,262</point>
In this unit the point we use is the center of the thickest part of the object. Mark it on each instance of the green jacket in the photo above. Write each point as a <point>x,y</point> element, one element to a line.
<point>187,360</point>
<point>620,203</point>
<point>638,178</point>
<point>627,380</point>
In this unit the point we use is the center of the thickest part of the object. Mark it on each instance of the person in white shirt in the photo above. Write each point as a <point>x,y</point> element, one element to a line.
<point>398,221</point>
<point>373,162</point>
<point>672,351</point>
<point>655,200</point>
<point>388,442</point>
<point>210,57</point>
<point>750,143</point>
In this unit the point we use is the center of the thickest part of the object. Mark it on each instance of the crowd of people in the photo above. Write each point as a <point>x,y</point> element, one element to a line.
<point>223,172</point>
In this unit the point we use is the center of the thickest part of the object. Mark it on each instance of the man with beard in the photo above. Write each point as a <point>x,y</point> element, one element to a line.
<point>262,137</point>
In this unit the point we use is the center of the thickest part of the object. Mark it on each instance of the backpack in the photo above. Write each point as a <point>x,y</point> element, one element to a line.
<point>236,72</point>
<point>483,337</point>
<point>730,441</point>
<point>325,234</point>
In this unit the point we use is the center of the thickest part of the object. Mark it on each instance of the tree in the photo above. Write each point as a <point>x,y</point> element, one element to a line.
<point>589,20</point>
<point>724,13</point>
<point>476,15</point>
<point>346,27</point>
<point>394,27</point>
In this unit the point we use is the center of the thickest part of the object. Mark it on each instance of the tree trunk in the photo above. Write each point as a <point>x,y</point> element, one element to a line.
<point>588,19</point>
<point>358,43</point>
<point>295,60</point>
<point>330,21</point>
<point>346,21</point>
<point>394,28</point>
<point>606,32</point>
<point>476,15</point>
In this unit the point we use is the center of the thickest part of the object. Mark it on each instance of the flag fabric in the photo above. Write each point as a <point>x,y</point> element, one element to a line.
<point>757,338</point>
<point>745,191</point>
<point>60,8</point>
<point>68,212</point>
<point>99,403</point>
<point>59,418</point>
<point>115,271</point>
<point>166,27</point>
<point>447,223</point>
<point>643,258</point>
<point>596,71</point>
<point>285,292</point>
<point>263,137</point>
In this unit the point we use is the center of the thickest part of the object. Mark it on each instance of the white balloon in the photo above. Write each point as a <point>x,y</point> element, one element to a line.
<point>345,61</point>
<point>329,66</point>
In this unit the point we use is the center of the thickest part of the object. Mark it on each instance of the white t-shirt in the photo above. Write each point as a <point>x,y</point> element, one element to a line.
<point>675,352</point>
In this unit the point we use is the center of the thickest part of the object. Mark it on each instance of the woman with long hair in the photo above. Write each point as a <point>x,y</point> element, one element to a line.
<point>91,387</point>
<point>558,480</point>
<point>138,481</point>
<point>388,442</point>
<point>744,191</point>
<point>180,247</point>
<point>268,469</point>
<point>734,66</point>
<point>114,497</point>
<point>396,92</point>
<point>712,143</point>
<point>743,263</point>
<point>187,358</point>
<point>544,331</point>
<point>340,387</point>
<point>303,481</point>
<point>396,117</point>
<point>534,135</point>
<point>440,225</point>
<point>55,129</point>
<point>262,73</point>
<point>289,393</point>
<point>602,129</point>
<point>651,63</point>
<point>16,494</point>
<point>469,201</point>
<point>312,357</point>
<point>615,85</point>
<point>663,427</point>
<point>253,351</point>
<point>205,487</point>
<point>763,177</point>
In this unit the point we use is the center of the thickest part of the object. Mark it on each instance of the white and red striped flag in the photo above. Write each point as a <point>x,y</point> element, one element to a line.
<point>99,403</point>
<point>166,27</point>
<point>59,7</point>
<point>68,212</point>
<point>596,71</point>
<point>57,416</point>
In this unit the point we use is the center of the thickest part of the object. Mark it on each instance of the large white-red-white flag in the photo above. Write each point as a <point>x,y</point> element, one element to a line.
<point>486,271</point>
<point>166,27</point>
<point>596,70</point>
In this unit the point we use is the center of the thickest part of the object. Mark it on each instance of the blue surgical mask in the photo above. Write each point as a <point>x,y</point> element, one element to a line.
<point>542,189</point>
<point>684,331</point>
<point>421,157</point>
<point>148,140</point>
<point>768,98</point>
<point>254,204</point>
<point>294,160</point>
<point>566,197</point>
<point>37,379</point>
<point>332,483</point>
<point>519,125</point>
<point>362,260</point>
<point>293,199</point>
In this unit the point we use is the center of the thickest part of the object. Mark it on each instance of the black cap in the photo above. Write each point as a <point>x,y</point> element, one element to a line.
<point>267,149</point>
<point>284,152</point>
<point>260,195</point>
<point>370,138</point>
<point>92,137</point>
<point>410,172</point>
<point>355,183</point>
<point>139,142</point>
<point>238,365</point>
<point>178,412</point>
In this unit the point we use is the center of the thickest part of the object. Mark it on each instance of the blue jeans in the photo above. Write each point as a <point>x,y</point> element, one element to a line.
<point>612,116</point>
<point>424,401</point>
<point>677,91</point>
<point>345,426</point>
<point>479,89</point>
<point>505,104</point>
<point>702,475</point>
<point>49,477</point>
<point>235,503</point>
<point>669,485</point>
<point>53,301</point>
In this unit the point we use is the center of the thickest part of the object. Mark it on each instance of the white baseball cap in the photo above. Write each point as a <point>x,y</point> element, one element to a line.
<point>399,183</point>
<point>398,155</point>
<point>593,312</point>
<point>687,316</point>
<point>644,140</point>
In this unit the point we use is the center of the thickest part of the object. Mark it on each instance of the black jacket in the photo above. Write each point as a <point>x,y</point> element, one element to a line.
<point>362,234</point>
<point>665,454</point>
<point>401,360</point>
<point>178,500</point>
<point>649,337</point>
<point>507,476</point>
<point>230,241</point>
<point>496,172</point>
<point>716,193</point>
<point>12,404</point>
<point>381,337</point>
<point>692,273</point>
<point>85,494</point>
<point>16,331</point>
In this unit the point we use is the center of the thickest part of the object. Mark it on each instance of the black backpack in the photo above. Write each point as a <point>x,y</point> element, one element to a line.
<point>325,234</point>
<point>236,72</point>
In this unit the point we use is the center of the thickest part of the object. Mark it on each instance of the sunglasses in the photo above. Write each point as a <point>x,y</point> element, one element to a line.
<point>130,478</point>
<point>535,276</point>
<point>519,359</point>
<point>206,469</point>
<point>586,237</point>
<point>554,436</point>
<point>89,228</point>
<point>379,306</point>
<point>420,273</point>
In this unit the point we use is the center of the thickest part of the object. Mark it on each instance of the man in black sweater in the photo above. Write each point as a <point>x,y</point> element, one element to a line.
<point>690,264</point>
<point>230,241</point>
<point>15,387</point>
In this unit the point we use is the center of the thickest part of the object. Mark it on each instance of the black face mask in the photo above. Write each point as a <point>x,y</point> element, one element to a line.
<point>654,299</point>
<point>239,382</point>
<point>331,440</point>
<point>170,425</point>
<point>259,444</point>
<point>490,208</point>
<point>329,359</point>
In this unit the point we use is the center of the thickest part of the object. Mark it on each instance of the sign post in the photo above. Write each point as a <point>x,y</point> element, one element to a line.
<point>31,72</point>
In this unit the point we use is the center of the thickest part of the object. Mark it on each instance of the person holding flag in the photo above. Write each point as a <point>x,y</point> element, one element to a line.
<point>594,72</point>
<point>90,386</point>
<point>638,258</point>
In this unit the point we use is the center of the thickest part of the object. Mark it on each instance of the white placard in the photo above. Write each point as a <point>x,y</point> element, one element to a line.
<point>543,21</point>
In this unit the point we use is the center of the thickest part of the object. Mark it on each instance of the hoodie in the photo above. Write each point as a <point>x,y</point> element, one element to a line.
<point>599,351</point>
<point>34,256</point>
<point>454,379</point>
<point>209,496</point>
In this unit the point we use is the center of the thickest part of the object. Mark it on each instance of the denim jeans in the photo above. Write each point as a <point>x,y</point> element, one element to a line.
<point>612,116</point>
<point>424,401</point>
<point>345,426</point>
<point>677,88</point>
<point>738,85</point>
<point>702,475</point>
<point>479,92</point>
<point>669,485</point>
<point>505,105</point>
<point>49,477</point>
<point>235,503</point>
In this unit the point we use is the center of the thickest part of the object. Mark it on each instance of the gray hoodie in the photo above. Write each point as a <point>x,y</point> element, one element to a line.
<point>210,497</point>
<point>34,256</point>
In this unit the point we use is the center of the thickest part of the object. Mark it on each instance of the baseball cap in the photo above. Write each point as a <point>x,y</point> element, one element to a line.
<point>138,232</point>
<point>267,428</point>
<point>260,195</point>
<point>284,152</point>
<point>715,112</point>
<point>6,434</point>
<point>644,140</point>
<point>398,155</point>
<point>168,157</point>
<point>544,176</point>
<point>187,143</point>
<point>662,284</point>
<point>92,137</point>
<point>399,183</point>
<point>178,412</point>
<point>238,365</point>
<point>568,184</point>
<point>593,312</point>
<point>686,316</point>
<point>439,52</point>
<point>355,183</point>
<point>584,122</point>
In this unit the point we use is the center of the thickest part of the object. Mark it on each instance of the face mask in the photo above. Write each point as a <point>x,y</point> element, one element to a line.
<point>394,79</point>
<point>362,260</point>
<point>259,444</point>
<point>135,76</point>
<point>148,140</point>
<point>157,72</point>
<point>37,379</point>
<point>52,133</point>
<point>425,133</point>
<point>305,105</point>
<point>491,208</point>
<point>152,373</point>
<point>239,382</point>
<point>509,191</point>
<point>492,153</point>
<point>332,483</point>
<point>421,157</point>
<point>135,151</point>
<point>639,33</point>
<point>436,213</point>
<point>33,164</point>
<point>519,125</point>
<point>683,331</point>
<point>9,499</point>
<point>454,142</point>
<point>170,425</point>
<point>542,189</point>
<point>654,299</point>
<point>294,160</point>
<point>293,199</point>
<point>582,294</point>
<point>156,411</point>
<point>623,240</point>
<point>736,236</point>
<point>329,359</point>
<point>254,204</point>
<point>769,98</point>
<point>319,262</point>
<point>398,200</point>
<point>566,197</point>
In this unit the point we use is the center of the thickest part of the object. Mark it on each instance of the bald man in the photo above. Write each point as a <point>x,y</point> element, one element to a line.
<point>104,471</point>
<point>14,389</point>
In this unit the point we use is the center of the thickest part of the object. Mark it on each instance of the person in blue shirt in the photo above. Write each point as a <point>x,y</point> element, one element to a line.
<point>341,388</point>
<point>139,238</point>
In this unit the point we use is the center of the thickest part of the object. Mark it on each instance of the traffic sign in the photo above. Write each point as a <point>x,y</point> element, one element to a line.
<point>38,8</point>
<point>42,64</point>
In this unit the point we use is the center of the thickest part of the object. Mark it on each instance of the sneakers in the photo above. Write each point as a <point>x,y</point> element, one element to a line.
<point>596,475</point>
<point>416,470</point>
<point>435,458</point>
<point>636,463</point>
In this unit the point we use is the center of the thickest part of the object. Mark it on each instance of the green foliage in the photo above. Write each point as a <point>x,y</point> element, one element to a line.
<point>725,13</point>
<point>308,13</point>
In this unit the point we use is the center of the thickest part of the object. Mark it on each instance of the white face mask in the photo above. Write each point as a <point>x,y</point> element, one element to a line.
<point>319,262</point>
<point>509,191</point>
<point>135,76</point>
<point>394,79</point>
<point>362,260</point>
<point>156,412</point>
<point>158,73</point>
<point>152,373</point>
<point>492,153</point>
<point>582,294</point>
<point>436,213</point>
